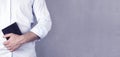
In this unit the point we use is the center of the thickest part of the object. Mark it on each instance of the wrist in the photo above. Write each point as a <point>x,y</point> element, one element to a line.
<point>27,37</point>
<point>23,39</point>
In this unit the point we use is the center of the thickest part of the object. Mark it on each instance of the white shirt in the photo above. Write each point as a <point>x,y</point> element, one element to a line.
<point>30,15</point>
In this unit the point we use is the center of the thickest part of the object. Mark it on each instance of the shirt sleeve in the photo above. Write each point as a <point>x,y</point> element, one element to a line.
<point>43,19</point>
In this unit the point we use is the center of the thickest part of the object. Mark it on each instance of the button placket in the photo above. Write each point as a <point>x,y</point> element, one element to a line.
<point>10,12</point>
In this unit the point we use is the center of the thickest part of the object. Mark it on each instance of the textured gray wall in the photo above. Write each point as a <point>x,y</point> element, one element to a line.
<point>82,28</point>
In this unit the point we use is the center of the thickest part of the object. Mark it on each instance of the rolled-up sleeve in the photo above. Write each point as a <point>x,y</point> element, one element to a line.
<point>42,15</point>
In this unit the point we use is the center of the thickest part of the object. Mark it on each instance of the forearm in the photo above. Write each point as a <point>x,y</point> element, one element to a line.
<point>27,37</point>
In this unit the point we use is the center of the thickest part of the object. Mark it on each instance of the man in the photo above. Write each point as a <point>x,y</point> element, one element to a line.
<point>33,19</point>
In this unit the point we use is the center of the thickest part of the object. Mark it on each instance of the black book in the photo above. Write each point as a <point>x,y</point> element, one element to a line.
<point>13,28</point>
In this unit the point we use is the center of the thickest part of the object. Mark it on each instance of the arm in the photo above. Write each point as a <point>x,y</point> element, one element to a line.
<point>40,30</point>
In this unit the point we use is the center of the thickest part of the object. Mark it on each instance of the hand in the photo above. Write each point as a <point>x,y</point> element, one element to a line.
<point>14,41</point>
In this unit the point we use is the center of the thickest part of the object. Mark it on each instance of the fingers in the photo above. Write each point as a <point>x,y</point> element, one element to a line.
<point>7,35</point>
<point>11,47</point>
<point>5,43</point>
<point>13,43</point>
<point>14,48</point>
<point>8,47</point>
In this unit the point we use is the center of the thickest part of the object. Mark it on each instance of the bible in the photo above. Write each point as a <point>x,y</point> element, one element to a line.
<point>13,28</point>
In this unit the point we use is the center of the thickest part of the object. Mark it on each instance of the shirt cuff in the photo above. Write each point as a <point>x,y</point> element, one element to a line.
<point>41,33</point>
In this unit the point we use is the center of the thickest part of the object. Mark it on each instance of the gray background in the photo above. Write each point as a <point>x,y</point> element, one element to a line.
<point>82,28</point>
